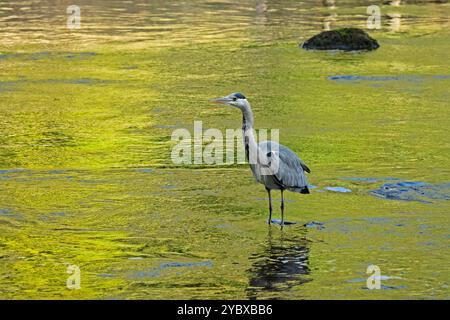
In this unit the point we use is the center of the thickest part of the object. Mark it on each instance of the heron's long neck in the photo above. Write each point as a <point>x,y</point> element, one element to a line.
<point>249,138</point>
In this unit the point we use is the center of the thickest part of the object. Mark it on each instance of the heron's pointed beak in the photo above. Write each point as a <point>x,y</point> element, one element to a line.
<point>223,100</point>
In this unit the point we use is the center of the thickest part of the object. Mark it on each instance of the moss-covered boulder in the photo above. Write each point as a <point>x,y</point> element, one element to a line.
<point>348,39</point>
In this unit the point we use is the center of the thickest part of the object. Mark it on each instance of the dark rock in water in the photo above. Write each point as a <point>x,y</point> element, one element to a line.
<point>413,191</point>
<point>348,39</point>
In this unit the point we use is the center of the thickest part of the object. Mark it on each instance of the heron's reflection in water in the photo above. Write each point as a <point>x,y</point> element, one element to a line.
<point>280,265</point>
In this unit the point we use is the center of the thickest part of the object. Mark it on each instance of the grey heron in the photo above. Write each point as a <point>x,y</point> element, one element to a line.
<point>275,166</point>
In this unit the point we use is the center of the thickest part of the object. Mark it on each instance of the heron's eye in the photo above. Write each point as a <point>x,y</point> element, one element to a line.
<point>234,99</point>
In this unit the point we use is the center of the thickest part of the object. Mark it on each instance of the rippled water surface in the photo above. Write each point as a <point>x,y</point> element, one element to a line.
<point>86,177</point>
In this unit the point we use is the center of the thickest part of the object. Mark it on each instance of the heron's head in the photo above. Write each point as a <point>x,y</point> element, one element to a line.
<point>236,100</point>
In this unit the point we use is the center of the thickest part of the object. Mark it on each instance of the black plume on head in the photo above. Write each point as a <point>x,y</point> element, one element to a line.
<point>239,95</point>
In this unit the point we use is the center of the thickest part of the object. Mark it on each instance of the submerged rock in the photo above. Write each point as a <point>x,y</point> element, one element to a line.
<point>286,223</point>
<point>315,225</point>
<point>348,39</point>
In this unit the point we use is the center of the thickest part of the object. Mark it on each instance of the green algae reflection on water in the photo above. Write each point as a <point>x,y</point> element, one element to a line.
<point>86,178</point>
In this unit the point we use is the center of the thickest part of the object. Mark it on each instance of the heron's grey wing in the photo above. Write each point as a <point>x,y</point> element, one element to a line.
<point>304,166</point>
<point>290,170</point>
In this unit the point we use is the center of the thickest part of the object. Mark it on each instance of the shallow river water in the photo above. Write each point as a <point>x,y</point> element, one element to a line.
<point>87,180</point>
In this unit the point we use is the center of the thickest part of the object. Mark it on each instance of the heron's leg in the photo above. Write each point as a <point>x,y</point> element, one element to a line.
<point>282,209</point>
<point>270,206</point>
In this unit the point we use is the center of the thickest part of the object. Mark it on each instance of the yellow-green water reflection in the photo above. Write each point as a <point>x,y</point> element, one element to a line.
<point>86,177</point>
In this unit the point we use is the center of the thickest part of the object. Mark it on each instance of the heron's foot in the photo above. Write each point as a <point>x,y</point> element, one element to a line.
<point>285,223</point>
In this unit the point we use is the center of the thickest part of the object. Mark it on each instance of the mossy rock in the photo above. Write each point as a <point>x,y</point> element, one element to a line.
<point>348,39</point>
